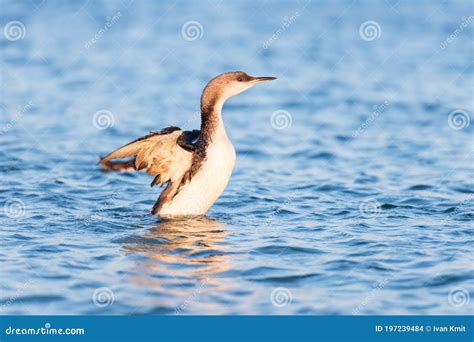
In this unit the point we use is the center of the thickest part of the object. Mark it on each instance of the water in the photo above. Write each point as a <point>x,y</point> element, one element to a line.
<point>362,204</point>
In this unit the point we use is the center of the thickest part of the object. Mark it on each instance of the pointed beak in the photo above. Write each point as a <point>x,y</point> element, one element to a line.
<point>263,79</point>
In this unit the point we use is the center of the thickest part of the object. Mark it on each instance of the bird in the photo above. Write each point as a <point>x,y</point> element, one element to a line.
<point>194,166</point>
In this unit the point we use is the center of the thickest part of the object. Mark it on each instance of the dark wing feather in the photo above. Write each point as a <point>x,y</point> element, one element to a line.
<point>188,139</point>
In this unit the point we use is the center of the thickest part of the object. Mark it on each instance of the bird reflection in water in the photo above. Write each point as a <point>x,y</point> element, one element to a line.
<point>180,256</point>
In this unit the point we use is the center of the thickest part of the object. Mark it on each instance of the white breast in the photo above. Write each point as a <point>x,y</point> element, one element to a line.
<point>197,196</point>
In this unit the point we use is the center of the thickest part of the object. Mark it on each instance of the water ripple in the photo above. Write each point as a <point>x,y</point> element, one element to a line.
<point>363,202</point>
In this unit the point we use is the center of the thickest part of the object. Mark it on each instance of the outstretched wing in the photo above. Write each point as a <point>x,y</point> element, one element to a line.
<point>166,154</point>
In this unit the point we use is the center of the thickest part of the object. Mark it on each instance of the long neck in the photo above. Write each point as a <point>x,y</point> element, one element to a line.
<point>212,125</point>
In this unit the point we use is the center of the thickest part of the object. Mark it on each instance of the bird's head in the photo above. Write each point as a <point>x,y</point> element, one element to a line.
<point>229,84</point>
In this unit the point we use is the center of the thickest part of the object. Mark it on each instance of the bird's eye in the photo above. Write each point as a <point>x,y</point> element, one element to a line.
<point>240,79</point>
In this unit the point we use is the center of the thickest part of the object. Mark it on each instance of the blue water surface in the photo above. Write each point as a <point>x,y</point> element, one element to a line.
<point>353,188</point>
